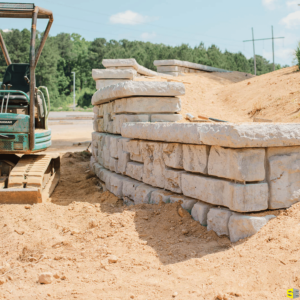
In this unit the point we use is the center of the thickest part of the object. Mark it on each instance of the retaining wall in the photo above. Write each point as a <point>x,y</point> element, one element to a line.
<point>220,172</point>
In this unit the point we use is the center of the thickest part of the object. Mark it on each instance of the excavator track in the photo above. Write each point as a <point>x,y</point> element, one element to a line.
<point>32,180</point>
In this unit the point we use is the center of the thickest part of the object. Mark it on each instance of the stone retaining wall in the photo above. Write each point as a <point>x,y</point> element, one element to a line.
<point>176,67</point>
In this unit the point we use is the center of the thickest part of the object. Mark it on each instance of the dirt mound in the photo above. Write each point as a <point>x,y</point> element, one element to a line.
<point>97,248</point>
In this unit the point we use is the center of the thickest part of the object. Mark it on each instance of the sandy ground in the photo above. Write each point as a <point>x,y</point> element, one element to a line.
<point>97,248</point>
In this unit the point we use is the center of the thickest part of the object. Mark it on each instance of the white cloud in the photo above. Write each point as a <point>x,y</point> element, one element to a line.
<point>270,4</point>
<point>7,30</point>
<point>129,18</point>
<point>283,55</point>
<point>292,20</point>
<point>292,4</point>
<point>148,36</point>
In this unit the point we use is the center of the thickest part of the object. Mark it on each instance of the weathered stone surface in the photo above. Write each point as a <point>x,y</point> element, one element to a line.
<point>105,176</point>
<point>241,226</point>
<point>154,166</point>
<point>173,155</point>
<point>129,187</point>
<point>185,133</point>
<point>168,69</point>
<point>113,74</point>
<point>98,125</point>
<point>123,156</point>
<point>96,110</point>
<point>135,170</point>
<point>173,180</point>
<point>113,145</point>
<point>237,197</point>
<point>46,278</point>
<point>143,194</point>
<point>187,203</point>
<point>113,165</point>
<point>137,88</point>
<point>237,164</point>
<point>116,185</point>
<point>106,82</point>
<point>160,195</point>
<point>244,135</point>
<point>217,220</point>
<point>195,158</point>
<point>100,110</point>
<point>107,117</point>
<point>200,211</point>
<point>133,147</point>
<point>148,105</point>
<point>106,157</point>
<point>120,119</point>
<point>171,73</point>
<point>166,118</point>
<point>283,176</point>
<point>127,201</point>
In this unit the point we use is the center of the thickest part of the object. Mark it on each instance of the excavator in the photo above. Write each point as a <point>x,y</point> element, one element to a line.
<point>27,176</point>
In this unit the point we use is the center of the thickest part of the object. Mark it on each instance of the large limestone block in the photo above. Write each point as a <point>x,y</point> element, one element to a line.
<point>92,163</point>
<point>96,110</point>
<point>143,194</point>
<point>106,157</point>
<point>120,119</point>
<point>173,180</point>
<point>171,73</point>
<point>173,155</point>
<point>113,165</point>
<point>185,133</point>
<point>160,195</point>
<point>113,74</point>
<point>100,110</point>
<point>168,69</point>
<point>195,158</point>
<point>97,169</point>
<point>250,134</point>
<point>129,187</point>
<point>283,176</point>
<point>106,82</point>
<point>107,117</point>
<point>218,219</point>
<point>105,176</point>
<point>113,145</point>
<point>133,147</point>
<point>98,125</point>
<point>154,166</point>
<point>166,118</point>
<point>200,211</point>
<point>135,170</point>
<point>241,226</point>
<point>187,203</point>
<point>123,156</point>
<point>121,62</point>
<point>237,197</point>
<point>116,185</point>
<point>138,88</point>
<point>237,164</point>
<point>148,105</point>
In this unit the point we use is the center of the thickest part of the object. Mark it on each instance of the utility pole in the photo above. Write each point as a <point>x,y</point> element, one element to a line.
<point>273,48</point>
<point>73,90</point>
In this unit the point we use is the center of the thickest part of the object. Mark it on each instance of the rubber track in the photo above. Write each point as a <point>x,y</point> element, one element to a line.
<point>29,172</point>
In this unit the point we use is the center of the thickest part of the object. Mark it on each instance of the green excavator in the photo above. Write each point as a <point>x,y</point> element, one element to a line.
<point>26,175</point>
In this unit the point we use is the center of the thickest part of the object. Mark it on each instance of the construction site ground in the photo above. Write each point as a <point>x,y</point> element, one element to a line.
<point>97,248</point>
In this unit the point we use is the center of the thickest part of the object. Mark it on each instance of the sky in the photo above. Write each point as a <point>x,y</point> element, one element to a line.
<point>173,22</point>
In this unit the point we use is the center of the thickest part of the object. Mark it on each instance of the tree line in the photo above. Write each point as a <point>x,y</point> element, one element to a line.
<point>66,53</point>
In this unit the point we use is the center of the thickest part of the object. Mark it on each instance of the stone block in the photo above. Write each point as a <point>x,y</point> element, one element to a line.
<point>143,194</point>
<point>96,110</point>
<point>137,88</point>
<point>106,157</point>
<point>166,118</point>
<point>113,145</point>
<point>187,203</point>
<point>241,226</point>
<point>133,147</point>
<point>113,74</point>
<point>237,197</point>
<point>195,158</point>
<point>120,119</point>
<point>100,111</point>
<point>218,219</point>
<point>116,185</point>
<point>173,155</point>
<point>97,169</point>
<point>283,176</point>
<point>171,73</point>
<point>135,170</point>
<point>160,195</point>
<point>92,163</point>
<point>123,156</point>
<point>148,105</point>
<point>106,82</point>
<point>105,177</point>
<point>154,166</point>
<point>127,201</point>
<point>200,211</point>
<point>173,180</point>
<point>168,69</point>
<point>237,164</point>
<point>113,165</point>
<point>129,187</point>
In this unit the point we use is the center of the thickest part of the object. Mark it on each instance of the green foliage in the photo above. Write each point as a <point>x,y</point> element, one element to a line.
<point>66,53</point>
<point>298,55</point>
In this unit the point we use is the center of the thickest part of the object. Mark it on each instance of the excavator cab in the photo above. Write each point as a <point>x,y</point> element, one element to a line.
<point>26,176</point>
